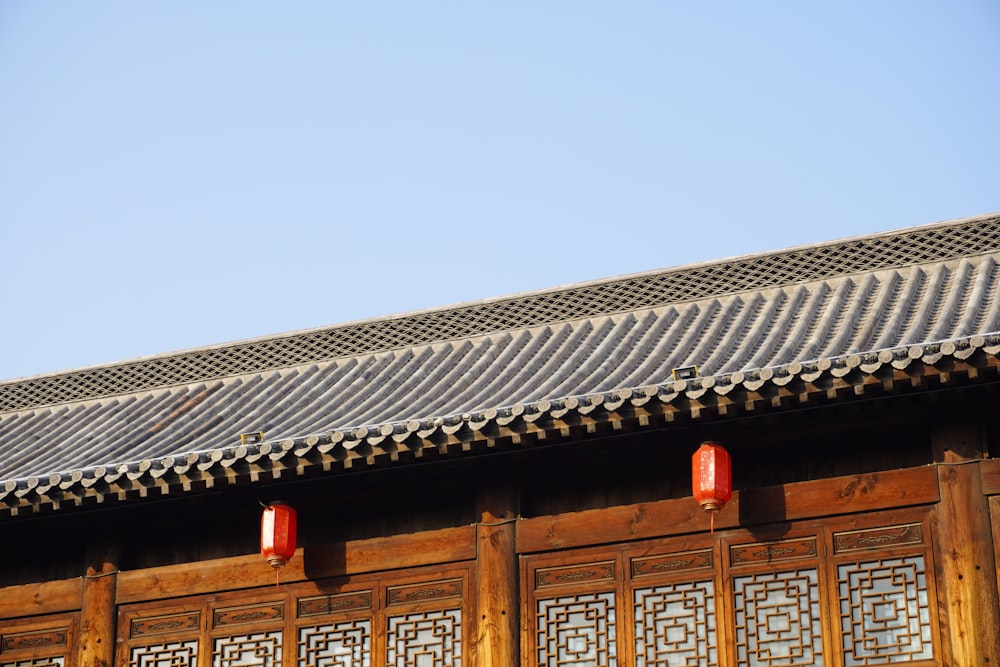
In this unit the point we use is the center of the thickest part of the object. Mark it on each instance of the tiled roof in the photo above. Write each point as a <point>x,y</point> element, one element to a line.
<point>856,313</point>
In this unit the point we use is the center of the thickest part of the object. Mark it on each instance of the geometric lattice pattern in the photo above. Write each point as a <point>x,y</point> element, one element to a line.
<point>430,639</point>
<point>58,661</point>
<point>345,644</point>
<point>675,625</point>
<point>577,631</point>
<point>778,619</point>
<point>175,654</point>
<point>262,649</point>
<point>645,291</point>
<point>885,615</point>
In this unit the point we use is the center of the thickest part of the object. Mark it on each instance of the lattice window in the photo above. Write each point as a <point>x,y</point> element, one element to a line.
<point>389,620</point>
<point>886,615</point>
<point>261,649</point>
<point>819,597</point>
<point>173,654</point>
<point>431,639</point>
<point>577,631</point>
<point>346,644</point>
<point>778,620</point>
<point>675,625</point>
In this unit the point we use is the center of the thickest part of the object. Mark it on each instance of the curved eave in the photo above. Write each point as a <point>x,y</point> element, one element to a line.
<point>956,362</point>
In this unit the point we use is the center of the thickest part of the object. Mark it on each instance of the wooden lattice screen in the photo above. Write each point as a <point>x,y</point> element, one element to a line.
<point>854,592</point>
<point>411,620</point>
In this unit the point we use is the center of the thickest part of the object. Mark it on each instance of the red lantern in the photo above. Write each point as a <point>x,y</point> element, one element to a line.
<point>277,534</point>
<point>711,478</point>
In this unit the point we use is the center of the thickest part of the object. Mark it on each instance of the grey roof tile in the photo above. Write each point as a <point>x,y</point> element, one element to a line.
<point>423,398</point>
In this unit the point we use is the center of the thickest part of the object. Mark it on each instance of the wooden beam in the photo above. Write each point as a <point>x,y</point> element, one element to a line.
<point>989,473</point>
<point>496,579</point>
<point>786,502</point>
<point>98,614</point>
<point>48,597</point>
<point>354,557</point>
<point>965,559</point>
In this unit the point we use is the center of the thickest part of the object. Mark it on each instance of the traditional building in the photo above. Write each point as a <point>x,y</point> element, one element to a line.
<point>509,482</point>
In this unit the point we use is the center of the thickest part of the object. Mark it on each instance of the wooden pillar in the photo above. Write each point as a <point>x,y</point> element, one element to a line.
<point>966,565</point>
<point>96,640</point>
<point>496,579</point>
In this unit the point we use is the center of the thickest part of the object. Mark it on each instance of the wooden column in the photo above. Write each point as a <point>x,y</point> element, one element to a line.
<point>966,565</point>
<point>96,641</point>
<point>496,579</point>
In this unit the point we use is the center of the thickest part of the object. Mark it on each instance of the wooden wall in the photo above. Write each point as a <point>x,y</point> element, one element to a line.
<point>491,509</point>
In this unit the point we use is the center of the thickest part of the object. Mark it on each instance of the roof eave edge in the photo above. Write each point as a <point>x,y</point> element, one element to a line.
<point>547,420</point>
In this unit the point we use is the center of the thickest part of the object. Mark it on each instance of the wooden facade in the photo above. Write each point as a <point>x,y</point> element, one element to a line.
<point>864,530</point>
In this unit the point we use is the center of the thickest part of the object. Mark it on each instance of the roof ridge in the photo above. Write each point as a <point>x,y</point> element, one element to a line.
<point>913,245</point>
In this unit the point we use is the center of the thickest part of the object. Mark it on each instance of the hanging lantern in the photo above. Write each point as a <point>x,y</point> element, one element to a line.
<point>711,478</point>
<point>277,534</point>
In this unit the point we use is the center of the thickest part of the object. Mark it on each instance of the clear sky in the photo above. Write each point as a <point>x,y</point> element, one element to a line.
<point>187,173</point>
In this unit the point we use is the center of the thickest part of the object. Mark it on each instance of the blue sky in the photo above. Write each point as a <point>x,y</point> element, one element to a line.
<point>182,174</point>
